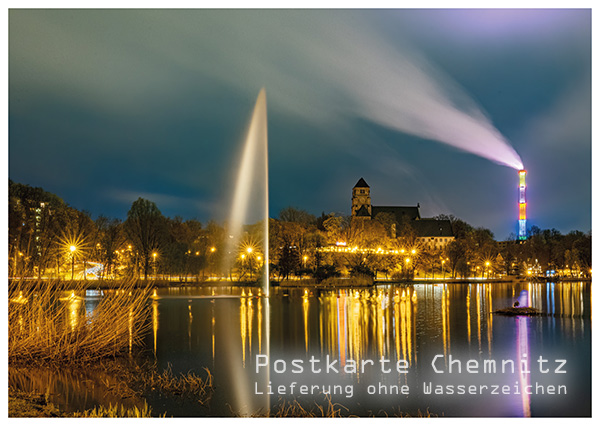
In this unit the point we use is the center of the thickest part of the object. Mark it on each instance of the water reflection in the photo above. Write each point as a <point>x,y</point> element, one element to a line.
<point>523,356</point>
<point>224,328</point>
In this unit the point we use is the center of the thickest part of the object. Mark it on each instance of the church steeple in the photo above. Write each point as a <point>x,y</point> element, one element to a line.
<point>361,200</point>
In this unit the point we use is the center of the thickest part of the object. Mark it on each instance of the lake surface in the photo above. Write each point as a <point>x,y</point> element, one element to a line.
<point>389,350</point>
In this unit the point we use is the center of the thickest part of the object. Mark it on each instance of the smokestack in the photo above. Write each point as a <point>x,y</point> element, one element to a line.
<point>522,206</point>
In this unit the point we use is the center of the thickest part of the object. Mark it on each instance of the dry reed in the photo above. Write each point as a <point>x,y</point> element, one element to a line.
<point>294,408</point>
<point>52,322</point>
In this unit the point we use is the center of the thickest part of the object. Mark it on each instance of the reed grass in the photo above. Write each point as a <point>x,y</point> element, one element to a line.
<point>117,410</point>
<point>48,322</point>
<point>142,380</point>
<point>294,408</point>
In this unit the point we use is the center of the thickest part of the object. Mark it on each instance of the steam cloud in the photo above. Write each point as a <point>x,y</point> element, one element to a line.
<point>397,88</point>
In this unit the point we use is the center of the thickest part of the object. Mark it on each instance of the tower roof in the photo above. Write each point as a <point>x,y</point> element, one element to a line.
<point>361,184</point>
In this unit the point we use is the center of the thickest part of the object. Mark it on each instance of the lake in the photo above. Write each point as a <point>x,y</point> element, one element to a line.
<point>389,350</point>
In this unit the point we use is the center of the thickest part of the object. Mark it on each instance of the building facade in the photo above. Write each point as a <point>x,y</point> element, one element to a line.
<point>433,233</point>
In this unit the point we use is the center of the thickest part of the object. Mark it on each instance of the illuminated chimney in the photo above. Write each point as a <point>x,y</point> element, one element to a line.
<point>522,206</point>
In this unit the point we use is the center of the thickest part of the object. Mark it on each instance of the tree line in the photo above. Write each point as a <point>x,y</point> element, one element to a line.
<point>47,238</point>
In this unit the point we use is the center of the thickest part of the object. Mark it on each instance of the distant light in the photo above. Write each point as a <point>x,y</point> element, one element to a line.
<point>72,248</point>
<point>341,243</point>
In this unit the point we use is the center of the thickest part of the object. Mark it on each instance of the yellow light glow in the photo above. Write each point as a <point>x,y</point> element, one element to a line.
<point>522,175</point>
<point>72,248</point>
<point>249,249</point>
<point>212,249</point>
<point>522,211</point>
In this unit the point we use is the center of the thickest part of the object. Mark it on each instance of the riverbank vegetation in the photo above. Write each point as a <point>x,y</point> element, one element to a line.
<point>57,325</point>
<point>48,322</point>
<point>49,239</point>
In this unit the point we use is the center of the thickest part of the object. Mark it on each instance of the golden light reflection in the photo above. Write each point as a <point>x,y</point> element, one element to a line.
<point>341,329</point>
<point>469,315</point>
<point>259,328</point>
<point>155,322</point>
<point>190,320</point>
<point>212,327</point>
<point>478,298</point>
<point>305,314</point>
<point>249,323</point>
<point>243,327</point>
<point>444,314</point>
<point>74,305</point>
<point>409,329</point>
<point>489,317</point>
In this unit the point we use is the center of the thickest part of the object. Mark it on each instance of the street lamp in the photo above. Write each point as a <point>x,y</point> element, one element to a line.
<point>72,249</point>
<point>487,264</point>
<point>443,270</point>
<point>154,254</point>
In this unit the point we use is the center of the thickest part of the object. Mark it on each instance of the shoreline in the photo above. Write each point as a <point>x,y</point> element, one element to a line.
<point>287,284</point>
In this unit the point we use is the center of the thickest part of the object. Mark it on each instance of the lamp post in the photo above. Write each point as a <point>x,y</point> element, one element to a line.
<point>154,254</point>
<point>72,249</point>
<point>443,270</point>
<point>487,267</point>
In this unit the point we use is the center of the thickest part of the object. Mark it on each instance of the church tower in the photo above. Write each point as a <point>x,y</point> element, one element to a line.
<point>361,200</point>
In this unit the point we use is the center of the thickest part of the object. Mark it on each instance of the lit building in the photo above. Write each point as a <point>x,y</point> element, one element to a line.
<point>434,233</point>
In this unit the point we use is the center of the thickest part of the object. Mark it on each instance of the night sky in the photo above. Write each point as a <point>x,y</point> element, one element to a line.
<point>428,106</point>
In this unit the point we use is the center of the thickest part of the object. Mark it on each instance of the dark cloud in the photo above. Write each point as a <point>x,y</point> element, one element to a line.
<point>107,104</point>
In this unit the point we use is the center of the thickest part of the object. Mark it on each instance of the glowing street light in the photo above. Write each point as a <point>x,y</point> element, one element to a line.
<point>443,270</point>
<point>154,254</point>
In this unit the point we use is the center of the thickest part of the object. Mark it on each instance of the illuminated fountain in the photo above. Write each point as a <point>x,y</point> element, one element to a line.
<point>252,179</point>
<point>252,184</point>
